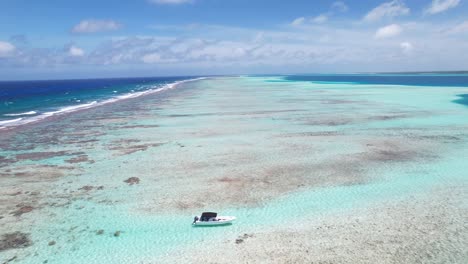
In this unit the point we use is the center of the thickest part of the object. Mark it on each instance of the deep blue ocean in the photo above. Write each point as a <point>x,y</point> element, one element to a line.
<point>26,100</point>
<point>452,80</point>
<point>426,79</point>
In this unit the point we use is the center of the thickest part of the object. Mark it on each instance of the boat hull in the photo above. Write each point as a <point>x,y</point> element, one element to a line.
<point>221,220</point>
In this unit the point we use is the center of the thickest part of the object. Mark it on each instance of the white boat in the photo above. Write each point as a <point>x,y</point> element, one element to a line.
<point>212,219</point>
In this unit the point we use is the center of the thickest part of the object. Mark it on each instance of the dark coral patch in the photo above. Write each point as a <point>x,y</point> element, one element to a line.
<point>23,210</point>
<point>40,155</point>
<point>6,161</point>
<point>125,147</point>
<point>79,159</point>
<point>132,180</point>
<point>86,188</point>
<point>14,240</point>
<point>89,188</point>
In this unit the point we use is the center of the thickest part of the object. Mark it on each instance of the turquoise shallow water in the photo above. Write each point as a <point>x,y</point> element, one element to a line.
<point>260,150</point>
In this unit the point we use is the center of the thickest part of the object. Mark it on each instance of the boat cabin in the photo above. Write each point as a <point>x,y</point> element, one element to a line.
<point>206,216</point>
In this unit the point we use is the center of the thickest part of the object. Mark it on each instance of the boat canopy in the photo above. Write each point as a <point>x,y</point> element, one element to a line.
<point>207,215</point>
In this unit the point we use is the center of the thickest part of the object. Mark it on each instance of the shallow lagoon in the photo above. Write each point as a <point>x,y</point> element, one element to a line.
<point>253,147</point>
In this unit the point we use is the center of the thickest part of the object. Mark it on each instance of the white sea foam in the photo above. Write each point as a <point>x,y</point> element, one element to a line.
<point>71,108</point>
<point>68,109</point>
<point>22,114</point>
<point>5,122</point>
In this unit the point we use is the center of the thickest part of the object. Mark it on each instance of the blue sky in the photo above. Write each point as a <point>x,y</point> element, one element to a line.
<point>88,39</point>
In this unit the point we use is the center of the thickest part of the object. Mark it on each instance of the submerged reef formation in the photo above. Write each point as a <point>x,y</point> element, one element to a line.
<point>14,240</point>
<point>22,210</point>
<point>366,173</point>
<point>132,180</point>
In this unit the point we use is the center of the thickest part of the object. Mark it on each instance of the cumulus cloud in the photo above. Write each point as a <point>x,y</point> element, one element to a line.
<point>339,6</point>
<point>323,47</point>
<point>406,47</point>
<point>335,7</point>
<point>460,28</point>
<point>320,19</point>
<point>388,31</point>
<point>6,49</point>
<point>298,21</point>
<point>95,25</point>
<point>170,2</point>
<point>151,58</point>
<point>439,6</point>
<point>388,9</point>
<point>74,51</point>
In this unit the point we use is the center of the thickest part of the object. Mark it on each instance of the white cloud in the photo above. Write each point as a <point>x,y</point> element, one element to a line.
<point>320,19</point>
<point>220,51</point>
<point>460,28</point>
<point>406,47</point>
<point>388,31</point>
<point>298,21</point>
<point>170,2</point>
<point>94,25</point>
<point>224,49</point>
<point>339,6</point>
<point>439,6</point>
<point>75,52</point>
<point>6,49</point>
<point>388,9</point>
<point>259,37</point>
<point>151,58</point>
